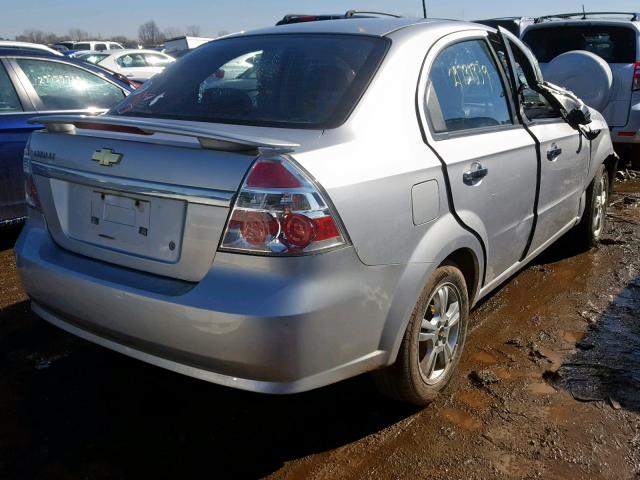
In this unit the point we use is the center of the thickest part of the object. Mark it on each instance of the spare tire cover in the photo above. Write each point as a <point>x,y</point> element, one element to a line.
<point>585,74</point>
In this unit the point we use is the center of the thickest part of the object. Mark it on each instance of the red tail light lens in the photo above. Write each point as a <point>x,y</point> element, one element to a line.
<point>299,230</point>
<point>272,175</point>
<point>280,211</point>
<point>636,76</point>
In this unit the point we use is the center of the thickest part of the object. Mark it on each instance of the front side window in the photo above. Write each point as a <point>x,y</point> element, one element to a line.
<point>100,47</point>
<point>289,80</point>
<point>66,87</point>
<point>535,106</point>
<point>82,46</point>
<point>469,91</point>
<point>9,102</point>
<point>131,60</point>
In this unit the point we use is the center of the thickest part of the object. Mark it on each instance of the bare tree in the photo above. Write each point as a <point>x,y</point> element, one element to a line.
<point>193,30</point>
<point>78,34</point>
<point>124,41</point>
<point>33,36</point>
<point>173,32</point>
<point>150,34</point>
<point>222,33</point>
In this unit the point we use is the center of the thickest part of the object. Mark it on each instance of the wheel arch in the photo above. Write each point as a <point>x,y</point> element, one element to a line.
<point>465,260</point>
<point>461,250</point>
<point>611,165</point>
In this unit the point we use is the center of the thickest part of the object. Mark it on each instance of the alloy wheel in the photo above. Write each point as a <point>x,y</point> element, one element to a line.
<point>439,333</point>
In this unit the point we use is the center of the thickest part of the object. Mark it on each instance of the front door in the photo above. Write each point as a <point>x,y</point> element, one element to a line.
<point>564,154</point>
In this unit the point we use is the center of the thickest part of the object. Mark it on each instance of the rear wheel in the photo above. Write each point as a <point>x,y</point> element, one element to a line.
<point>591,226</point>
<point>433,342</point>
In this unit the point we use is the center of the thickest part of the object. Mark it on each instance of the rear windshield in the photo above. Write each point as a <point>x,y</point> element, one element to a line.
<point>613,44</point>
<point>306,81</point>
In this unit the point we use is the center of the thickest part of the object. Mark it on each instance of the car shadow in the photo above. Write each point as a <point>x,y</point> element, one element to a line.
<point>606,363</point>
<point>71,409</point>
<point>8,237</point>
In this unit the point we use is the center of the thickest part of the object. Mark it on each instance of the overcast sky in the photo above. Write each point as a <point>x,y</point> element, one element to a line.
<point>122,17</point>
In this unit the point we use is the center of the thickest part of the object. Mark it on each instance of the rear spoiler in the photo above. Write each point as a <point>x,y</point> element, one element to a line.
<point>208,137</point>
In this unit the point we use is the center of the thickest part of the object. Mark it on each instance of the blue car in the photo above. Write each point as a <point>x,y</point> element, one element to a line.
<point>34,84</point>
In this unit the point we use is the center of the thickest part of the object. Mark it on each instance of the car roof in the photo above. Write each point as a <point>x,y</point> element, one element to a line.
<point>372,26</point>
<point>14,51</point>
<point>587,18</point>
<point>130,50</point>
<point>561,23</point>
<point>28,46</point>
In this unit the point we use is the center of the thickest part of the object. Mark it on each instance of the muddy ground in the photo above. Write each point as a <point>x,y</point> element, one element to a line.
<point>549,387</point>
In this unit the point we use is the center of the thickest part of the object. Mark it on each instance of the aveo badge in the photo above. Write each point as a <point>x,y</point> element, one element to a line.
<point>106,157</point>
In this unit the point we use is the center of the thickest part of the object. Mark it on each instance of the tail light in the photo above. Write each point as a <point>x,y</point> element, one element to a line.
<point>280,211</point>
<point>636,76</point>
<point>30,190</point>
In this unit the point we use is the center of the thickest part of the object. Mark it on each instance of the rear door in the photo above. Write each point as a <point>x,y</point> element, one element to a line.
<point>489,158</point>
<point>15,111</point>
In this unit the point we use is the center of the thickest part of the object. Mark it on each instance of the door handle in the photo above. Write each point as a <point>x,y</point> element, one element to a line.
<point>475,173</point>
<point>553,152</point>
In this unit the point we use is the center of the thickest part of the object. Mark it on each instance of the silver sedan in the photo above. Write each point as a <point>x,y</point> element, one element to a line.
<point>337,208</point>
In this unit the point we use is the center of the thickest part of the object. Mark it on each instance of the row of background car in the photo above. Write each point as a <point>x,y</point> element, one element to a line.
<point>605,73</point>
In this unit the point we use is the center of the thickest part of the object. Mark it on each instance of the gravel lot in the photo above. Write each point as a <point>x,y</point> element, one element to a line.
<point>549,387</point>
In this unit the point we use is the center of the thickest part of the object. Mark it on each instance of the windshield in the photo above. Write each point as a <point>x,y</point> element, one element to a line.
<point>308,81</point>
<point>613,44</point>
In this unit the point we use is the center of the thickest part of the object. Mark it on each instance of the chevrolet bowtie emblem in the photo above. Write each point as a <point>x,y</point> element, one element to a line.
<point>106,157</point>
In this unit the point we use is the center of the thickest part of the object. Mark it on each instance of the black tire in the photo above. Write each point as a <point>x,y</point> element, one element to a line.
<point>592,224</point>
<point>405,380</point>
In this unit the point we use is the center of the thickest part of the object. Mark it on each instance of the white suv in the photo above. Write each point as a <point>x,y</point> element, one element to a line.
<point>97,45</point>
<point>597,56</point>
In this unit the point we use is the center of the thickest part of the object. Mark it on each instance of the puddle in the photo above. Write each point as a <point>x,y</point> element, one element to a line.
<point>573,336</point>
<point>607,362</point>
<point>541,388</point>
<point>476,399</point>
<point>555,358</point>
<point>484,357</point>
<point>461,419</point>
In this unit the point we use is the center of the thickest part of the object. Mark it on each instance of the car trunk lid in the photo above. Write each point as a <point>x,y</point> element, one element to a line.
<point>142,194</point>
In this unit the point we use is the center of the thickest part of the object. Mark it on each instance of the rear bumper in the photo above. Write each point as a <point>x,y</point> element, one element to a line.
<point>630,133</point>
<point>256,323</point>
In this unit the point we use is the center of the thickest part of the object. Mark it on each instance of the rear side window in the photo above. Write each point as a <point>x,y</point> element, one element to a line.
<point>156,60</point>
<point>65,87</point>
<point>9,101</point>
<point>613,44</point>
<point>132,60</point>
<point>82,46</point>
<point>304,81</point>
<point>100,46</point>
<point>468,89</point>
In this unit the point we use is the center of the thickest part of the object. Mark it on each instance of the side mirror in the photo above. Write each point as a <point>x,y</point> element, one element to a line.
<point>579,116</point>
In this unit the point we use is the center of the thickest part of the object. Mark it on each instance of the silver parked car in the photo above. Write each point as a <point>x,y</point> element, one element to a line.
<point>341,214</point>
